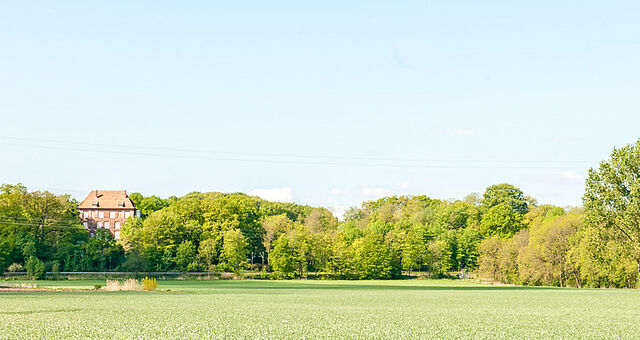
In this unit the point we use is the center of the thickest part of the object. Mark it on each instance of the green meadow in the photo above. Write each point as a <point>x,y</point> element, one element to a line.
<point>319,309</point>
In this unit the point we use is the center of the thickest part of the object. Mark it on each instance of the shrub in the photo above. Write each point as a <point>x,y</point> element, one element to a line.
<point>97,287</point>
<point>149,284</point>
<point>55,270</point>
<point>16,267</point>
<point>35,268</point>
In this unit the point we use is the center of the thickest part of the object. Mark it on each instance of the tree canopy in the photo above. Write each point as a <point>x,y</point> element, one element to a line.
<point>502,234</point>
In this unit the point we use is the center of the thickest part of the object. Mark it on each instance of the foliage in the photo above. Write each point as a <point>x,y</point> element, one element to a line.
<point>506,194</point>
<point>46,226</point>
<point>185,255</point>
<point>501,220</point>
<point>149,284</point>
<point>612,199</point>
<point>147,205</point>
<point>504,234</point>
<point>35,268</point>
<point>234,250</point>
<point>373,259</point>
<point>283,260</point>
<point>15,267</point>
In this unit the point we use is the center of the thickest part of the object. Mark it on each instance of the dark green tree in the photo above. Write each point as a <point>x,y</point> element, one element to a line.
<point>505,194</point>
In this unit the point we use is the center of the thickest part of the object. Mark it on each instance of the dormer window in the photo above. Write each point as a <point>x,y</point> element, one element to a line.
<point>95,204</point>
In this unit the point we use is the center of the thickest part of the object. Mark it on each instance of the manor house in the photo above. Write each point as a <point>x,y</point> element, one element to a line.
<point>106,209</point>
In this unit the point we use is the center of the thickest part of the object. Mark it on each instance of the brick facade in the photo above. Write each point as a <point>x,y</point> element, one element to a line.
<point>106,209</point>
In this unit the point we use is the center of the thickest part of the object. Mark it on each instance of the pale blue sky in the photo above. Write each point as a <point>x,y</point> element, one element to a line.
<point>339,102</point>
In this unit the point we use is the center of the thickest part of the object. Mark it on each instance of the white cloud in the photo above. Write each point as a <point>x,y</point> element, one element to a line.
<point>274,194</point>
<point>336,191</point>
<point>404,185</point>
<point>375,191</point>
<point>338,210</point>
<point>460,132</point>
<point>572,176</point>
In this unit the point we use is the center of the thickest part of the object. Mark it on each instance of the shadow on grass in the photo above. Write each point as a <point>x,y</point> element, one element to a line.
<point>27,312</point>
<point>356,286</point>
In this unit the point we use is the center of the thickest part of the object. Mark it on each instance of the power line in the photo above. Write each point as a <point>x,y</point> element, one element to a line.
<point>297,155</point>
<point>269,158</point>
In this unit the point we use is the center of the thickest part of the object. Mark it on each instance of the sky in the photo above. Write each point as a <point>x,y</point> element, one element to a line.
<point>325,103</point>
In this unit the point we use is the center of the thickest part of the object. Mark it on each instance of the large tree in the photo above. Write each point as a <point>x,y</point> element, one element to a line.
<point>505,194</point>
<point>612,197</point>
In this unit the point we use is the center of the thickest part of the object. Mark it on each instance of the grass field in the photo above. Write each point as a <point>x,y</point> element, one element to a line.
<point>320,309</point>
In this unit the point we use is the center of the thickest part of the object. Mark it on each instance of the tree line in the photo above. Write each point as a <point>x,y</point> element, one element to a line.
<point>501,234</point>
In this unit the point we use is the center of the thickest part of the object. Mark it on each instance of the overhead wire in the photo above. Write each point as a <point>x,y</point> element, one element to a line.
<point>275,158</point>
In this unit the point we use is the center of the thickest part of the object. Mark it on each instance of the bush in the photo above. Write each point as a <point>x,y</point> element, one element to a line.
<point>149,284</point>
<point>16,267</point>
<point>97,287</point>
<point>35,268</point>
<point>55,270</point>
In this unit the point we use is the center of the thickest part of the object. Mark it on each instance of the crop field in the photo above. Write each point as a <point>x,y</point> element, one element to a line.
<point>319,309</point>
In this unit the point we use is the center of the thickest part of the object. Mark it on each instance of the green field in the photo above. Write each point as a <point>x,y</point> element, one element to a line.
<point>320,309</point>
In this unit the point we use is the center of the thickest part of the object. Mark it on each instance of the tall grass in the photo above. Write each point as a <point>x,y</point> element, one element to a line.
<point>128,284</point>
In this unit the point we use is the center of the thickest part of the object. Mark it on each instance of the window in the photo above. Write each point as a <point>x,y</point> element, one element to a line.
<point>95,213</point>
<point>106,225</point>
<point>85,225</point>
<point>112,214</point>
<point>99,224</point>
<point>127,214</point>
<point>101,214</point>
<point>117,235</point>
<point>85,214</point>
<point>117,225</point>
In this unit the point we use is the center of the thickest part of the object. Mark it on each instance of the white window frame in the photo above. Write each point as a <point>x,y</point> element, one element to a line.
<point>106,225</point>
<point>127,214</point>
<point>112,214</point>
<point>85,214</point>
<point>117,225</point>
<point>99,225</point>
<point>85,225</point>
<point>100,214</point>
<point>116,235</point>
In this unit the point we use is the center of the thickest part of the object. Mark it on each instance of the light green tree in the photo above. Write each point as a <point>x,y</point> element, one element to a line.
<point>612,198</point>
<point>373,259</point>
<point>283,259</point>
<point>208,251</point>
<point>234,250</point>
<point>501,220</point>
